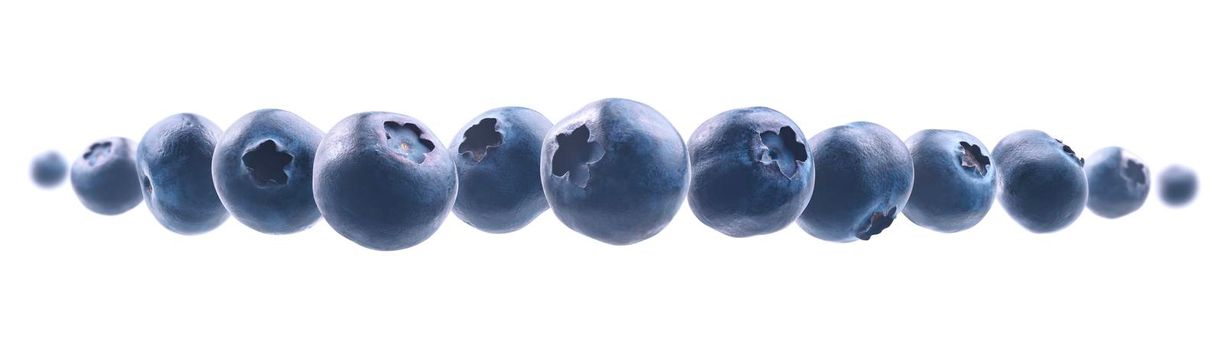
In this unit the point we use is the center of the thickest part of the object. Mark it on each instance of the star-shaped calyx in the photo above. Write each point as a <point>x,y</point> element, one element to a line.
<point>575,152</point>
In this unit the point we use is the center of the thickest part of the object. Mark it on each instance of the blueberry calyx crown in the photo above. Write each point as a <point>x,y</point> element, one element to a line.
<point>972,158</point>
<point>784,149</point>
<point>266,164</point>
<point>1134,172</point>
<point>575,152</point>
<point>1070,152</point>
<point>96,151</point>
<point>877,222</point>
<point>480,138</point>
<point>407,140</point>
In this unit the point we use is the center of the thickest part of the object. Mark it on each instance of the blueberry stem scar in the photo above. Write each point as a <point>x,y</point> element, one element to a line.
<point>481,137</point>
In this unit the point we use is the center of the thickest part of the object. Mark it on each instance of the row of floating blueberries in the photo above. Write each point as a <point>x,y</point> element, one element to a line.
<point>616,171</point>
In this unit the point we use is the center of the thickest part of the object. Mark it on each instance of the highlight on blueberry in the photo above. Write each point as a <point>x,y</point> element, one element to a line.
<point>863,178</point>
<point>497,158</point>
<point>1178,185</point>
<point>383,180</point>
<point>174,163</point>
<point>263,169</point>
<point>1117,182</point>
<point>953,180</point>
<point>104,177</point>
<point>48,169</point>
<point>751,172</point>
<point>1043,184</point>
<point>616,171</point>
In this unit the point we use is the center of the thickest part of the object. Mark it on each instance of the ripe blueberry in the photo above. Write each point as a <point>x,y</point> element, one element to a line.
<point>497,157</point>
<point>263,169</point>
<point>174,162</point>
<point>953,180</point>
<point>863,177</point>
<point>1043,184</point>
<point>48,169</point>
<point>616,171</point>
<point>1117,182</point>
<point>751,172</point>
<point>383,180</point>
<point>1178,185</point>
<point>105,179</point>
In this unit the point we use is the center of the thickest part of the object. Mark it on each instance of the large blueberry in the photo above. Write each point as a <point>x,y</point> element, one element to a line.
<point>1042,180</point>
<point>750,172</point>
<point>953,180</point>
<point>105,178</point>
<point>1117,182</point>
<point>383,180</point>
<point>174,162</point>
<point>863,177</point>
<point>1178,185</point>
<point>497,156</point>
<point>263,169</point>
<point>616,171</point>
<point>48,169</point>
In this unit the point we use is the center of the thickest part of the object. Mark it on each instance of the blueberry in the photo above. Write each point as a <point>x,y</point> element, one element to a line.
<point>105,178</point>
<point>263,169</point>
<point>1117,182</point>
<point>863,177</point>
<point>616,171</point>
<point>1043,184</point>
<point>48,169</point>
<point>750,172</point>
<point>497,157</point>
<point>383,180</point>
<point>953,180</point>
<point>1178,185</point>
<point>174,162</point>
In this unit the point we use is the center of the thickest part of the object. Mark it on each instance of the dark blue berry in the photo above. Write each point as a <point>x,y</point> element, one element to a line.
<point>48,169</point>
<point>264,170</point>
<point>616,171</point>
<point>751,172</point>
<point>174,162</point>
<point>1043,184</point>
<point>1178,185</point>
<point>953,180</point>
<point>497,156</point>
<point>383,180</point>
<point>105,178</point>
<point>1117,182</point>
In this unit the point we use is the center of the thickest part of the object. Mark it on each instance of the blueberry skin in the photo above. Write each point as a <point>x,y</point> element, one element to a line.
<point>264,170</point>
<point>1178,185</point>
<point>174,161</point>
<point>48,169</point>
<point>863,177</point>
<point>497,157</point>
<point>104,177</point>
<point>953,181</point>
<point>1117,182</point>
<point>383,180</point>
<point>1042,180</point>
<point>751,173</point>
<point>616,171</point>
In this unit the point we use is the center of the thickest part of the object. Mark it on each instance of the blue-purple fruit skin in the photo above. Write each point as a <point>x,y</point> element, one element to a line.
<point>497,157</point>
<point>1043,186</point>
<point>1117,182</point>
<point>953,181</point>
<point>863,178</point>
<point>174,161</point>
<point>616,171</point>
<point>383,180</point>
<point>105,179</point>
<point>751,173</point>
<point>264,169</point>
<point>1178,185</point>
<point>48,169</point>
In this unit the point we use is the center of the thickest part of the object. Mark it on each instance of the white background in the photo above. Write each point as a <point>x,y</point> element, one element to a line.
<point>1145,75</point>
